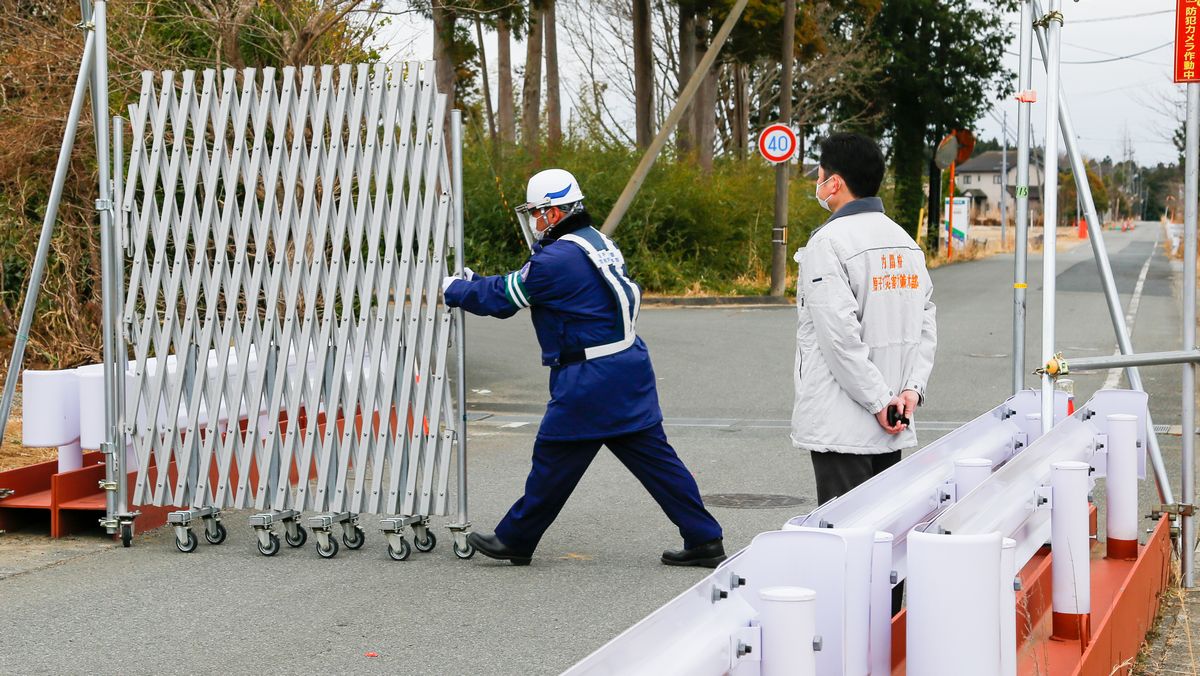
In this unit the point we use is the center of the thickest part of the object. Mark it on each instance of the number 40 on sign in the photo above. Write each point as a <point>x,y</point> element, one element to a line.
<point>777,143</point>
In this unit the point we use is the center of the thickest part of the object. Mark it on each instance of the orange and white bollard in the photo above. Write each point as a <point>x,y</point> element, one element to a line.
<point>1121,485</point>
<point>1067,385</point>
<point>1069,540</point>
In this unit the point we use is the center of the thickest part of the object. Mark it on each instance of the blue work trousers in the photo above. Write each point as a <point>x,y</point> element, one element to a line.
<point>559,465</point>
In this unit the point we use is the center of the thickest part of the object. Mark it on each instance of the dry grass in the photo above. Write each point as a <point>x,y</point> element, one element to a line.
<point>1170,648</point>
<point>13,454</point>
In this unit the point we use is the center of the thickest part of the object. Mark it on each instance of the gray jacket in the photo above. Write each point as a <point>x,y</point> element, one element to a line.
<point>867,330</point>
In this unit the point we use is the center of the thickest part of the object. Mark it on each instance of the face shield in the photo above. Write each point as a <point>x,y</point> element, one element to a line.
<point>528,222</point>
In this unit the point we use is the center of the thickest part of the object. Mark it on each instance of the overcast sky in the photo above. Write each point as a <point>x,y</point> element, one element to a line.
<point>1111,100</point>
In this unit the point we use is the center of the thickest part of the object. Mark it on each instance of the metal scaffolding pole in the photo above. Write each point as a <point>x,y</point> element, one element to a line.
<point>1104,266</point>
<point>1053,21</point>
<point>456,137</point>
<point>1125,361</point>
<point>114,462</point>
<point>1021,236</point>
<point>29,308</point>
<point>1187,546</point>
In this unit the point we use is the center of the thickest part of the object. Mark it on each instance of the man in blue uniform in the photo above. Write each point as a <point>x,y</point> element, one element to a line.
<point>602,388</point>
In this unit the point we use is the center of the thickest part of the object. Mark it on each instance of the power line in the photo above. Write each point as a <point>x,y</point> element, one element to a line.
<point>1101,51</point>
<point>1116,58</point>
<point>1124,16</point>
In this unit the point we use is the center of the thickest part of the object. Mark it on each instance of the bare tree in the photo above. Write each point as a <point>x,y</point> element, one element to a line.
<point>227,18</point>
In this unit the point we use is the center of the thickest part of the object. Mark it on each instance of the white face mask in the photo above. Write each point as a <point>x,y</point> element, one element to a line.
<point>817,193</point>
<point>538,234</point>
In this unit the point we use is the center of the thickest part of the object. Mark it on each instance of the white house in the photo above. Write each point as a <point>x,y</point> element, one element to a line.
<point>980,179</point>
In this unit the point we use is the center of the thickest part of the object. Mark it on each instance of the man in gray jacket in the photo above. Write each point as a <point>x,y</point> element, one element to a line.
<point>867,329</point>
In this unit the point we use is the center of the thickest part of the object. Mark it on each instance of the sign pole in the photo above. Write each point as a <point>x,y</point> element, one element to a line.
<point>779,234</point>
<point>950,218</point>
<point>1187,12</point>
<point>1192,188</point>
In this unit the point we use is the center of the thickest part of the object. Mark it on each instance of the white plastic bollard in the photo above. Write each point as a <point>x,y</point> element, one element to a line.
<point>91,406</point>
<point>969,473</point>
<point>70,457</point>
<point>1070,544</point>
<point>1121,485</point>
<point>1008,607</point>
<point>50,414</point>
<point>954,614</point>
<point>788,621</point>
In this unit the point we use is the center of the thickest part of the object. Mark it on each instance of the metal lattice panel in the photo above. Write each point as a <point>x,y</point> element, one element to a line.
<point>285,240</point>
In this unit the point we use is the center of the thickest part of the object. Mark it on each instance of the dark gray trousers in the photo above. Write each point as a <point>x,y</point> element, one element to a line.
<point>839,473</point>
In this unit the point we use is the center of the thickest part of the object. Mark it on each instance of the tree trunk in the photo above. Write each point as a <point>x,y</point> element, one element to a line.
<point>643,74</point>
<point>787,59</point>
<point>508,119</point>
<point>741,109</point>
<point>553,91</point>
<point>531,94</point>
<point>685,133</point>
<point>706,102</point>
<point>443,36</point>
<point>908,165</point>
<point>487,87</point>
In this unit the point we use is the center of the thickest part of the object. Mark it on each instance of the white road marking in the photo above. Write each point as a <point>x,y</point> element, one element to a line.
<point>1114,375</point>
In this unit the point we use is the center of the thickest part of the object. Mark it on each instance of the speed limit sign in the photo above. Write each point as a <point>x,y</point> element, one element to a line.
<point>777,143</point>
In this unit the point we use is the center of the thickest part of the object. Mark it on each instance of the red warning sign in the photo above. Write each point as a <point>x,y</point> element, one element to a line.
<point>1187,20</point>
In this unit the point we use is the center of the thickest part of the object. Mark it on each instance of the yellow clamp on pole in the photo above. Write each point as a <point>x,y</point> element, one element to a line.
<point>1020,285</point>
<point>1044,22</point>
<point>1055,367</point>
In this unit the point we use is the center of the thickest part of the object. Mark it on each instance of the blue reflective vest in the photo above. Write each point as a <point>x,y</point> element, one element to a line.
<point>584,309</point>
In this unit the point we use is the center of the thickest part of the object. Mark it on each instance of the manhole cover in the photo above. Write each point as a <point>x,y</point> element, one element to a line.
<point>752,500</point>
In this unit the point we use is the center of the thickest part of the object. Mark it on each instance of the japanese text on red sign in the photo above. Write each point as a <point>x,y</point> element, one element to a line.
<point>1187,12</point>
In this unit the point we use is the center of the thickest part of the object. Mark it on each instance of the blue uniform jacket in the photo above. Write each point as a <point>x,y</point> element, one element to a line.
<point>574,307</point>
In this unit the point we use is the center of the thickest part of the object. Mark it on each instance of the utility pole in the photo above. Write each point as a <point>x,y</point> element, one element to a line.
<point>1025,99</point>
<point>779,233</point>
<point>1004,180</point>
<point>1053,21</point>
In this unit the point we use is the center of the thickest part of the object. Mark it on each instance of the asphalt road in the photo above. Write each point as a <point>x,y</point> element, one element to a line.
<point>725,384</point>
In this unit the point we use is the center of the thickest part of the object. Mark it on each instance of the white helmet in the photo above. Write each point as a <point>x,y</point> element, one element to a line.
<point>549,188</point>
<point>552,188</point>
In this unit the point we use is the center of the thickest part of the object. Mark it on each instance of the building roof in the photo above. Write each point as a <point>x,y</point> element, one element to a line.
<point>987,162</point>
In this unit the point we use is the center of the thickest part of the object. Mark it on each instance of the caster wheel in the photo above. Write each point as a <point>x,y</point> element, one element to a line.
<point>188,545</point>
<point>427,544</point>
<point>328,553</point>
<point>272,547</point>
<point>218,537</point>
<point>299,540</point>
<point>465,552</point>
<point>400,554</point>
<point>126,534</point>
<point>357,541</point>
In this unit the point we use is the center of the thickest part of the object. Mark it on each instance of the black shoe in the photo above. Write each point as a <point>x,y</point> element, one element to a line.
<point>491,547</point>
<point>708,555</point>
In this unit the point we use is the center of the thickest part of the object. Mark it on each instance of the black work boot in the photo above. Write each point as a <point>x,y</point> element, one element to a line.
<point>708,555</point>
<point>490,546</point>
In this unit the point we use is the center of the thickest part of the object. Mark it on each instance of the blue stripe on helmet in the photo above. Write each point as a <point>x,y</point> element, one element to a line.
<point>560,193</point>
